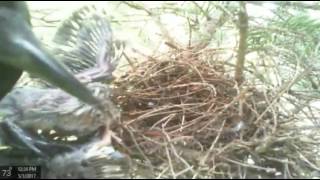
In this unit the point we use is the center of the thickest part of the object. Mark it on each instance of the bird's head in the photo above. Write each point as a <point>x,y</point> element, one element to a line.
<point>19,48</point>
<point>18,7</point>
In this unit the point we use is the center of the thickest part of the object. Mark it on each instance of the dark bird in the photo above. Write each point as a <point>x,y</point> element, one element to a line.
<point>21,51</point>
<point>85,45</point>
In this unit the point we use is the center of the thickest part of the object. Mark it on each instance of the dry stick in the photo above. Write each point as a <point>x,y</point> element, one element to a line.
<point>251,166</point>
<point>183,119</point>
<point>156,19</point>
<point>274,117</point>
<point>153,140</point>
<point>162,172</point>
<point>176,154</point>
<point>184,171</point>
<point>204,159</point>
<point>240,96</point>
<point>285,88</point>
<point>142,54</point>
<point>190,32</point>
<point>170,162</point>
<point>151,114</point>
<point>129,61</point>
<point>312,116</point>
<point>282,161</point>
<point>139,149</point>
<point>190,123</point>
<point>286,169</point>
<point>167,121</point>
<point>308,162</point>
<point>201,9</point>
<point>167,118</point>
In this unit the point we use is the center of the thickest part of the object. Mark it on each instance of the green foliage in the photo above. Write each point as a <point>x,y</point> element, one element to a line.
<point>291,37</point>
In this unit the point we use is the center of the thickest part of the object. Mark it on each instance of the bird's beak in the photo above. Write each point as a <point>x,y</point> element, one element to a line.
<point>36,60</point>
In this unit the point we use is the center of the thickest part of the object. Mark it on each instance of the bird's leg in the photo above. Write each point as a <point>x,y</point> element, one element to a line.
<point>106,137</point>
<point>17,134</point>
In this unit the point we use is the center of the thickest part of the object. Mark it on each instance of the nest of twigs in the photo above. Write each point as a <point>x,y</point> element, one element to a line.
<point>184,111</point>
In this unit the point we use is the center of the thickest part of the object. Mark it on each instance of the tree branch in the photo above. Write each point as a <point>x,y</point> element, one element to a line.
<point>243,33</point>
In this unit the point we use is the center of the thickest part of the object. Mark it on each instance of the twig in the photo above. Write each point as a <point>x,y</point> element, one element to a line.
<point>268,170</point>
<point>206,156</point>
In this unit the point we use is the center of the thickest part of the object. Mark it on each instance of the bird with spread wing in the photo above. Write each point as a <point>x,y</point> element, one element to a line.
<point>84,44</point>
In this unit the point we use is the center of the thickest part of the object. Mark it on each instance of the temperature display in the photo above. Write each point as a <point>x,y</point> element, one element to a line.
<point>20,172</point>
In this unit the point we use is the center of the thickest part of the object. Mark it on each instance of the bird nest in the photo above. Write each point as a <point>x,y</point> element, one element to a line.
<point>184,115</point>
